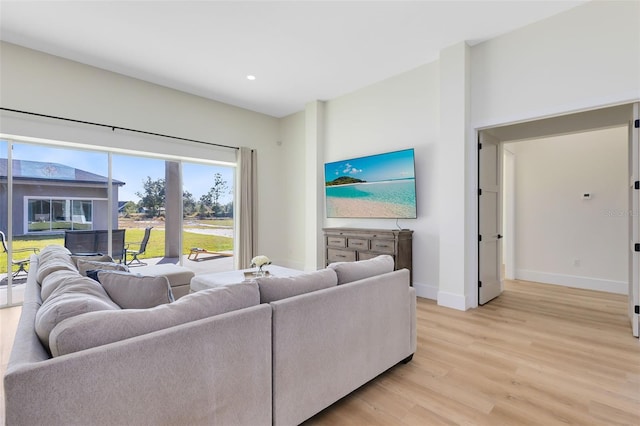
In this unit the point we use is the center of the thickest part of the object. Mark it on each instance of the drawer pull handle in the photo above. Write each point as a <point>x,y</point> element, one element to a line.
<point>383,245</point>
<point>341,255</point>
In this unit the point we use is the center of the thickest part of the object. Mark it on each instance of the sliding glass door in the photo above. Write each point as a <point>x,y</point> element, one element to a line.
<point>208,213</point>
<point>45,192</point>
<point>48,191</point>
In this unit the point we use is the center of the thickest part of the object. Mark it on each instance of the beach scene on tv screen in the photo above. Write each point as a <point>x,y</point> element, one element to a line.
<point>377,186</point>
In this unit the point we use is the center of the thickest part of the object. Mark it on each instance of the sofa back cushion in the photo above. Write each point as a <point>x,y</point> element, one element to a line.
<point>100,328</point>
<point>133,291</point>
<point>276,288</point>
<point>94,257</point>
<point>89,265</point>
<point>53,259</point>
<point>353,271</point>
<point>56,279</point>
<point>75,296</point>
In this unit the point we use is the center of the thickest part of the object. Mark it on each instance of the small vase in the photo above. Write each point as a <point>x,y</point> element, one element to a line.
<point>260,272</point>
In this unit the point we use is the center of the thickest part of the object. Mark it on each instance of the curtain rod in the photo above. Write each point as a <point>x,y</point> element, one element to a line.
<point>113,128</point>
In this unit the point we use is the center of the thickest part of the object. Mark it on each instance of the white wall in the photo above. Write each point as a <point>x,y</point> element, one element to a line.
<point>575,60</point>
<point>585,57</point>
<point>292,137</point>
<point>45,84</point>
<point>398,113</point>
<point>560,237</point>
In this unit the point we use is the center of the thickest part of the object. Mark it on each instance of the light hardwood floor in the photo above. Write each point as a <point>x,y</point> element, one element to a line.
<point>539,354</point>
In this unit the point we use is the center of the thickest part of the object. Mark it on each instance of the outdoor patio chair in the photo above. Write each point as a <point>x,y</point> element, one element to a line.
<point>96,241</point>
<point>142,247</point>
<point>21,263</point>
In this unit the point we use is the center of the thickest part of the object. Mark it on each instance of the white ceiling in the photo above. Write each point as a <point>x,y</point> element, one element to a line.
<point>299,51</point>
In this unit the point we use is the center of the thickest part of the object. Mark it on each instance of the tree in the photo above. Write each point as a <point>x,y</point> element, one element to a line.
<point>153,195</point>
<point>205,204</point>
<point>188,203</point>
<point>228,209</point>
<point>219,187</point>
<point>130,208</point>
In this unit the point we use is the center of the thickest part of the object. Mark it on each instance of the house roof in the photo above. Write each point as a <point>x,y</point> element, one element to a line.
<point>55,172</point>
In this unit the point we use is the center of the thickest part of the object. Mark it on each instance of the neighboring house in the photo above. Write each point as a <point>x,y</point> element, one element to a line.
<point>52,197</point>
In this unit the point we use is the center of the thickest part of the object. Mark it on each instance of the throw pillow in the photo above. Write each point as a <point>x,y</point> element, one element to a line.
<point>100,328</point>
<point>76,297</point>
<point>88,265</point>
<point>354,271</point>
<point>276,288</point>
<point>132,291</point>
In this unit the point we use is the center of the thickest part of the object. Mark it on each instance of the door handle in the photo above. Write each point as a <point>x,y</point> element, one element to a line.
<point>499,236</point>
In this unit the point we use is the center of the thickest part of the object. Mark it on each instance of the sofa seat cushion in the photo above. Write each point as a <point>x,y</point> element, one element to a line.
<point>74,297</point>
<point>133,291</point>
<point>89,265</point>
<point>354,271</point>
<point>177,275</point>
<point>276,288</point>
<point>100,328</point>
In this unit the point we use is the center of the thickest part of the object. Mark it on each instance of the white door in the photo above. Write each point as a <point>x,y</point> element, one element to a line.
<point>634,220</point>
<point>489,218</point>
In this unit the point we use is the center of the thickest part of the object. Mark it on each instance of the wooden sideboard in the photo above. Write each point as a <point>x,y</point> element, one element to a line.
<point>352,244</point>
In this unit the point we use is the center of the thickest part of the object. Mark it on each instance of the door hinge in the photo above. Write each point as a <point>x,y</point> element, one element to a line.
<point>637,309</point>
<point>479,192</point>
<point>636,184</point>
<point>636,247</point>
<point>480,145</point>
<point>480,239</point>
<point>480,285</point>
<point>636,124</point>
<point>499,236</point>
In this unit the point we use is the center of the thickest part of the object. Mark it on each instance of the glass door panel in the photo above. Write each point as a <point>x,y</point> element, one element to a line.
<point>141,204</point>
<point>208,192</point>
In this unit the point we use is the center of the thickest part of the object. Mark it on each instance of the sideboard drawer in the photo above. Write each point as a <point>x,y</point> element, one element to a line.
<point>335,255</point>
<point>336,241</point>
<point>358,243</point>
<point>383,246</point>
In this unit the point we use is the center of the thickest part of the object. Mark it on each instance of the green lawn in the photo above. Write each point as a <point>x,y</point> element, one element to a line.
<point>155,247</point>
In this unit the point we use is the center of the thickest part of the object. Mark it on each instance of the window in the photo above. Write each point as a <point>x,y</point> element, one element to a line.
<point>49,215</point>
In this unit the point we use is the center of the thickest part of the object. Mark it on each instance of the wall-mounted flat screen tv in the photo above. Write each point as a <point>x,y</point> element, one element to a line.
<point>377,186</point>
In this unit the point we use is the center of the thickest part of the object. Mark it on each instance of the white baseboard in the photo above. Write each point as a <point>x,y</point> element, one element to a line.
<point>452,300</point>
<point>426,291</point>
<point>587,283</point>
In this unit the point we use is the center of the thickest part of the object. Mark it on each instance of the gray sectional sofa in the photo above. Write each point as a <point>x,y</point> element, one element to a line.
<point>273,351</point>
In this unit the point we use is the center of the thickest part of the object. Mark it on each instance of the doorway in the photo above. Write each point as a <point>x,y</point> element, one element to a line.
<point>558,127</point>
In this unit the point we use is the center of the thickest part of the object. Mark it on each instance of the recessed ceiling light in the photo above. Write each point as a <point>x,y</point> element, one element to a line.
<point>251,77</point>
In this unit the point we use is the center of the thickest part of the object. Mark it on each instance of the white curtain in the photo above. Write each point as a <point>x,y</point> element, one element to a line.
<point>247,211</point>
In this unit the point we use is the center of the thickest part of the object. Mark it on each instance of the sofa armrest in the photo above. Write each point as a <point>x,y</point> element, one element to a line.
<point>413,319</point>
<point>202,372</point>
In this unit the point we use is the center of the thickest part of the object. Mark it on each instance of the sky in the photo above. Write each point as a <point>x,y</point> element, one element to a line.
<point>197,178</point>
<point>374,168</point>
